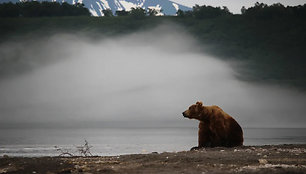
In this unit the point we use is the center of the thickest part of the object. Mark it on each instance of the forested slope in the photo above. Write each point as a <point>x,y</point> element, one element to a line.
<point>271,40</point>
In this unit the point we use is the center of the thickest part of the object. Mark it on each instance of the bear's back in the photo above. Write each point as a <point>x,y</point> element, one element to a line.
<point>225,126</point>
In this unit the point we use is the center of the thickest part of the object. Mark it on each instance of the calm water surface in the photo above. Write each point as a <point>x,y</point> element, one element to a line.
<point>41,142</point>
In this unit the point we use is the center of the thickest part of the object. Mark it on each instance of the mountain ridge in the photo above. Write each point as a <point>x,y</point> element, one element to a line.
<point>96,7</point>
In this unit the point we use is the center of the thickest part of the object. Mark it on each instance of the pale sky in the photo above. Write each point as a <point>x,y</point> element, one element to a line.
<point>235,5</point>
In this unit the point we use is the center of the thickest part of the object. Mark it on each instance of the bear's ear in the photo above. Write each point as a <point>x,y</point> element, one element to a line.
<point>199,103</point>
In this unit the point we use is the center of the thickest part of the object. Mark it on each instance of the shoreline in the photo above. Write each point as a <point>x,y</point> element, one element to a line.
<point>287,158</point>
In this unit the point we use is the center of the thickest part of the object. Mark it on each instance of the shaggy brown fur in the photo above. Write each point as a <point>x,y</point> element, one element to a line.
<point>216,127</point>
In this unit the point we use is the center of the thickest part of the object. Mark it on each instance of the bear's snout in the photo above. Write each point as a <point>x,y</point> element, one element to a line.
<point>184,114</point>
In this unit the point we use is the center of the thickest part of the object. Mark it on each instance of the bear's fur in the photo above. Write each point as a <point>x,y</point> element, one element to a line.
<point>216,127</point>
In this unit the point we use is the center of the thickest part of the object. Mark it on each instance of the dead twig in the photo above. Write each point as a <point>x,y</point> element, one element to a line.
<point>83,150</point>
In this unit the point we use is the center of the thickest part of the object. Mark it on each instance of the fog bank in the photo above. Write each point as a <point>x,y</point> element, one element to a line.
<point>149,76</point>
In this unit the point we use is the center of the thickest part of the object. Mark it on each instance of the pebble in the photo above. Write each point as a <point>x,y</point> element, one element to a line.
<point>248,150</point>
<point>77,166</point>
<point>262,161</point>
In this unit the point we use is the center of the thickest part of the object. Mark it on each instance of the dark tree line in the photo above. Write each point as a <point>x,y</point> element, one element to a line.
<point>264,11</point>
<point>134,12</point>
<point>258,11</point>
<point>204,12</point>
<point>37,9</point>
<point>138,12</point>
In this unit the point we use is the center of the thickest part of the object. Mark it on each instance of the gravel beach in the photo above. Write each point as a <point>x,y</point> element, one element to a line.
<point>245,159</point>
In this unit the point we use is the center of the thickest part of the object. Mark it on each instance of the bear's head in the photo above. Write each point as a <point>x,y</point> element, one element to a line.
<point>194,111</point>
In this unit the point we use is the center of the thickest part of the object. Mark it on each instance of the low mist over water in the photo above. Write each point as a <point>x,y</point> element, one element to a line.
<point>147,77</point>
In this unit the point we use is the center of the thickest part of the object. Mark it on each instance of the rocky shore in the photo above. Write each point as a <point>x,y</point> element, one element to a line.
<point>245,159</point>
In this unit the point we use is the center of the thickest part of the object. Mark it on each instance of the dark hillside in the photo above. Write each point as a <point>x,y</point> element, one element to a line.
<point>271,40</point>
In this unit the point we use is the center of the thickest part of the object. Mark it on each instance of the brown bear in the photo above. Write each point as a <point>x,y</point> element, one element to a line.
<point>216,127</point>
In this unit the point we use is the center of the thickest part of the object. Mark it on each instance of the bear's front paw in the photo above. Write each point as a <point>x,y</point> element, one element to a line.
<point>196,148</point>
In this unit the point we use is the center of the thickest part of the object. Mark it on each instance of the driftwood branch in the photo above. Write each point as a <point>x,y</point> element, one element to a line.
<point>83,150</point>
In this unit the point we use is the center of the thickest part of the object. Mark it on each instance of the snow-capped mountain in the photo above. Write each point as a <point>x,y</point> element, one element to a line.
<point>96,6</point>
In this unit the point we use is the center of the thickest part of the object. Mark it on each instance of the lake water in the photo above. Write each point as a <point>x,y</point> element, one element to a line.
<point>41,142</point>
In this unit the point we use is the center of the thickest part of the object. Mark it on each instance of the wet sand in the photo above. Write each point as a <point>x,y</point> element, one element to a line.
<point>246,159</point>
